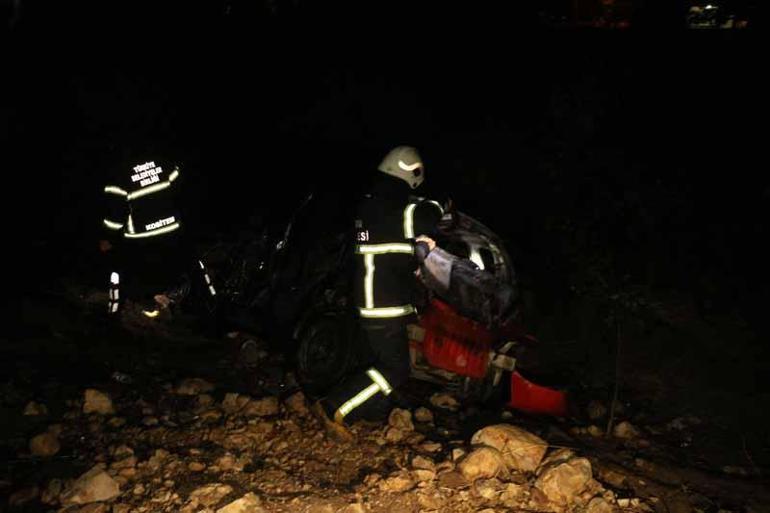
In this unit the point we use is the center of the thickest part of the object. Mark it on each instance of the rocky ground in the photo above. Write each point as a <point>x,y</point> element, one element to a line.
<point>146,423</point>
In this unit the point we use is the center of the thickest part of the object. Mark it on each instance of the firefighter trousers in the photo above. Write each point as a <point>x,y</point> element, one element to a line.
<point>366,394</point>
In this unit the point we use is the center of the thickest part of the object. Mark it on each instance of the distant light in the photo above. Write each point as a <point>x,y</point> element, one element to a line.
<point>709,6</point>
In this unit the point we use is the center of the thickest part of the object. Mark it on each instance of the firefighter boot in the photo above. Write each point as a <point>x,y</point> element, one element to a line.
<point>336,431</point>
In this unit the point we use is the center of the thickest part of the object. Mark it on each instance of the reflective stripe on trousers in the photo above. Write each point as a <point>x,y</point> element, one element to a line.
<point>114,302</point>
<point>379,384</point>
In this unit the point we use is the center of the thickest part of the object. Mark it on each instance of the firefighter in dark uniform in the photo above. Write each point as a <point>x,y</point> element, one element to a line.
<point>150,259</point>
<point>387,219</point>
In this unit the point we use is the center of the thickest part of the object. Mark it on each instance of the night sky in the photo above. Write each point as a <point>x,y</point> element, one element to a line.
<point>641,145</point>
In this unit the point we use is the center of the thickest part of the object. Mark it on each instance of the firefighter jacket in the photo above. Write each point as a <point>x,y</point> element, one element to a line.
<point>387,220</point>
<point>140,201</point>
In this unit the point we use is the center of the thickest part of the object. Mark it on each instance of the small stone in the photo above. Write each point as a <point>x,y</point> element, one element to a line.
<point>44,445</point>
<point>93,486</point>
<point>624,503</point>
<point>521,449</point>
<point>423,475</point>
<point>372,479</point>
<point>262,407</point>
<point>97,402</point>
<point>399,482</point>
<point>194,386</point>
<point>506,415</point>
<point>421,462</point>
<point>444,401</point>
<point>423,415</point>
<point>121,508</point>
<point>429,447</point>
<point>210,494</point>
<point>596,410</point>
<point>394,435</point>
<point>210,416</point>
<point>401,419</point>
<point>205,401</point>
<point>127,473</point>
<point>452,480</point>
<point>626,431</point>
<point>23,496</point>
<point>485,462</point>
<point>489,488</point>
<point>233,403</point>
<point>563,482</point>
<point>297,404</point>
<point>122,452</point>
<point>430,502</point>
<point>150,421</point>
<point>129,462</point>
<point>196,466</point>
<point>116,422</point>
<point>599,505</point>
<point>138,490</point>
<point>249,503</point>
<point>227,463</point>
<point>512,494</point>
<point>33,409</point>
<point>595,431</point>
<point>458,453</point>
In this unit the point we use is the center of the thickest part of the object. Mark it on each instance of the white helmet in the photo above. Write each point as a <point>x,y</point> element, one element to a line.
<point>405,163</point>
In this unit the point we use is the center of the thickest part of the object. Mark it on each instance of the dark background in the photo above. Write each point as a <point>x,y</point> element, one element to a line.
<point>624,168</point>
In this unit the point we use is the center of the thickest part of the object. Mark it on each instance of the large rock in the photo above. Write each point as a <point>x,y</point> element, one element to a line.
<point>521,450</point>
<point>210,494</point>
<point>563,482</point>
<point>97,402</point>
<point>44,445</point>
<point>194,386</point>
<point>262,407</point>
<point>93,486</point>
<point>249,503</point>
<point>482,463</point>
<point>401,419</point>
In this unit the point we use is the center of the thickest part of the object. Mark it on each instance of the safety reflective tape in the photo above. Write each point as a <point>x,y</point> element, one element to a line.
<point>386,312</point>
<point>378,378</point>
<point>152,314</point>
<point>213,292</point>
<point>383,249</point>
<point>131,224</point>
<point>201,264</point>
<point>148,190</point>
<point>476,258</point>
<point>409,167</point>
<point>114,308</point>
<point>432,202</point>
<point>357,400</point>
<point>159,231</point>
<point>111,189</point>
<point>114,278</point>
<point>112,225</point>
<point>174,175</point>
<point>409,221</point>
<point>114,294</point>
<point>369,281</point>
<point>208,280</point>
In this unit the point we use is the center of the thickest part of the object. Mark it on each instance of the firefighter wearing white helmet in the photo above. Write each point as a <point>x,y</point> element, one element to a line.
<point>388,217</point>
<point>405,163</point>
